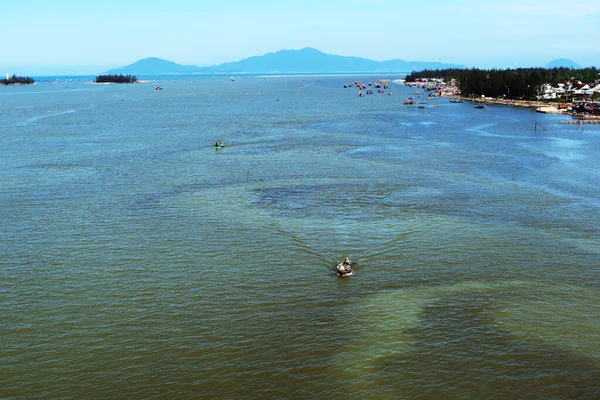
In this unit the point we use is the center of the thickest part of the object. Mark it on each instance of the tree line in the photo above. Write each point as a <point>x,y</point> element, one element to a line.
<point>17,80</point>
<point>114,78</point>
<point>519,83</point>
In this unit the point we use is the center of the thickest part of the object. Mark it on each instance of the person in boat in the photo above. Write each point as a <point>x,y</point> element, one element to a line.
<point>218,144</point>
<point>344,267</point>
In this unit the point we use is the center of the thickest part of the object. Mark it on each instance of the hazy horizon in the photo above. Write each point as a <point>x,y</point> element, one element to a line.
<point>67,37</point>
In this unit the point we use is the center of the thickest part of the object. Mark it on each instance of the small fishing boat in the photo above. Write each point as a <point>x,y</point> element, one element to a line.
<point>158,87</point>
<point>480,106</point>
<point>455,100</point>
<point>409,101</point>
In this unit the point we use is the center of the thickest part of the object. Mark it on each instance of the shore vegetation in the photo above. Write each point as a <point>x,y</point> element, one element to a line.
<point>519,83</point>
<point>17,80</point>
<point>114,78</point>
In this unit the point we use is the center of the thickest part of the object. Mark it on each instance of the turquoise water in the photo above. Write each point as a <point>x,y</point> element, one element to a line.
<point>136,261</point>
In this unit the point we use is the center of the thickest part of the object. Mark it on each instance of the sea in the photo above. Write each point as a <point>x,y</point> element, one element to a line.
<point>139,262</point>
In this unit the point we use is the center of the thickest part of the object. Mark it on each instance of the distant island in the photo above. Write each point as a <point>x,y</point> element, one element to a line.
<point>307,60</point>
<point>114,78</point>
<point>17,80</point>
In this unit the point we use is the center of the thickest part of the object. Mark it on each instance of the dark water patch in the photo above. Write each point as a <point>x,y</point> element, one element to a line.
<point>325,200</point>
<point>459,347</point>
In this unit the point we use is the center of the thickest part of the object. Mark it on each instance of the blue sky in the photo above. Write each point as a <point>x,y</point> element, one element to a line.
<point>81,36</point>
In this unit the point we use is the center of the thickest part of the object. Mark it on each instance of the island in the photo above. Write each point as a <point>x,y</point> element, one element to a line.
<point>17,80</point>
<point>114,78</point>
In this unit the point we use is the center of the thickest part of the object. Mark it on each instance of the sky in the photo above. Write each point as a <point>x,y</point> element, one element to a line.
<point>53,37</point>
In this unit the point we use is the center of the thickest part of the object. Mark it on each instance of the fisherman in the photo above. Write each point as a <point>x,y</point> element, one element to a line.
<point>218,144</point>
<point>346,264</point>
<point>344,267</point>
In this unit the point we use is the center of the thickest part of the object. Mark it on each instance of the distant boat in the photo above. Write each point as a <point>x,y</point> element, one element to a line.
<point>480,106</point>
<point>455,100</point>
<point>409,101</point>
<point>158,87</point>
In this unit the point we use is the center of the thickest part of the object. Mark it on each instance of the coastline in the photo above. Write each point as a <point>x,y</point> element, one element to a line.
<point>544,107</point>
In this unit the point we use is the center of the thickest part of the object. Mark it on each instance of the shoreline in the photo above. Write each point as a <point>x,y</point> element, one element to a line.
<point>544,107</point>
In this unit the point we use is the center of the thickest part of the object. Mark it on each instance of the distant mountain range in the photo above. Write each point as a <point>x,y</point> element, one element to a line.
<point>563,62</point>
<point>307,60</point>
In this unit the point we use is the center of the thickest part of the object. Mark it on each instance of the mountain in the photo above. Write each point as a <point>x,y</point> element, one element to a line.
<point>306,60</point>
<point>153,66</point>
<point>562,62</point>
<point>313,60</point>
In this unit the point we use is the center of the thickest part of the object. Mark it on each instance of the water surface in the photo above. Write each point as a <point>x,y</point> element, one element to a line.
<point>138,262</point>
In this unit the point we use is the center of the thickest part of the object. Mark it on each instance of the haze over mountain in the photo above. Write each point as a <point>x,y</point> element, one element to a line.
<point>306,60</point>
<point>562,62</point>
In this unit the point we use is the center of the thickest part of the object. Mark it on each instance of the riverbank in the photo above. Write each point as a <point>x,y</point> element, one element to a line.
<point>544,107</point>
<point>506,102</point>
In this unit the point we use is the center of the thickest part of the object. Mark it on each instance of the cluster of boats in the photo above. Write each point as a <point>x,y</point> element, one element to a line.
<point>378,85</point>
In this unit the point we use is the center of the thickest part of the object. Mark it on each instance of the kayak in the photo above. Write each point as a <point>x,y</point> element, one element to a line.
<point>219,147</point>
